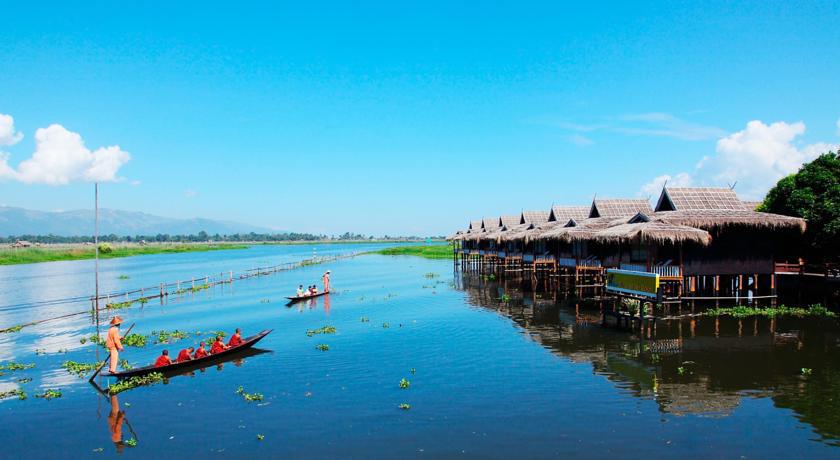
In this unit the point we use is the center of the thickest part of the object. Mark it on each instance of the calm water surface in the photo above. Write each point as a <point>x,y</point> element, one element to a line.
<point>534,377</point>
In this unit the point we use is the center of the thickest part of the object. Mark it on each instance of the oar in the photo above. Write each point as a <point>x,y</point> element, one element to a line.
<point>106,359</point>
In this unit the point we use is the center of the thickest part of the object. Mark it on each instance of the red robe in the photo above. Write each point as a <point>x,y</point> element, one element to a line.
<point>235,340</point>
<point>184,355</point>
<point>218,346</point>
<point>162,361</point>
<point>200,352</point>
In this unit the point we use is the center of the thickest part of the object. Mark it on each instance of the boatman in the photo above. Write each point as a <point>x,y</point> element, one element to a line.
<point>327,281</point>
<point>236,338</point>
<point>113,342</point>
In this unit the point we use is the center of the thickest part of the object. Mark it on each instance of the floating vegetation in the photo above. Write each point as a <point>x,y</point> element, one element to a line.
<point>134,340</point>
<point>323,330</point>
<point>123,277</point>
<point>134,382</point>
<point>96,339</point>
<point>83,340</point>
<point>404,384</point>
<point>125,365</point>
<point>13,366</point>
<point>143,300</point>
<point>265,300</point>
<point>119,305</point>
<point>260,437</point>
<point>11,330</point>
<point>249,396</point>
<point>365,319</point>
<point>23,380</point>
<point>505,298</point>
<point>681,370</point>
<point>78,368</point>
<point>200,287</point>
<point>40,351</point>
<point>385,325</point>
<point>413,371</point>
<point>18,393</point>
<point>771,312</point>
<point>322,347</point>
<point>430,275</point>
<point>405,406</point>
<point>51,393</point>
<point>169,336</point>
<point>807,371</point>
<point>130,442</point>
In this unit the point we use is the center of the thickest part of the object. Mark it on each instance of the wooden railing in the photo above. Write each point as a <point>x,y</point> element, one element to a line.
<point>784,267</point>
<point>671,271</point>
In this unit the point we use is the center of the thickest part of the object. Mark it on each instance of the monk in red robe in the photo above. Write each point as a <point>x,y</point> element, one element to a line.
<point>236,338</point>
<point>200,352</point>
<point>185,355</point>
<point>218,346</point>
<point>163,359</point>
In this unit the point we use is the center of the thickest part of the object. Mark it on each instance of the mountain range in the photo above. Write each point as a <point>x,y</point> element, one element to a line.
<point>19,221</point>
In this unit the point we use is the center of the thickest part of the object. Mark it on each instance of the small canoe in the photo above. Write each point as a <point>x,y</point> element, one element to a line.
<point>306,297</point>
<point>209,359</point>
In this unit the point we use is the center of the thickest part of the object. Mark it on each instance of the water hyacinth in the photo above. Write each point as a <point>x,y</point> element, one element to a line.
<point>134,382</point>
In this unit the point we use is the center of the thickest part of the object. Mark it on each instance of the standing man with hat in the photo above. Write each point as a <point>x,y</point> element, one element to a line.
<point>114,343</point>
<point>327,281</point>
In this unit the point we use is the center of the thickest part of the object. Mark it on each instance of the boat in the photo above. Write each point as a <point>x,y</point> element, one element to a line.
<point>186,365</point>
<point>306,297</point>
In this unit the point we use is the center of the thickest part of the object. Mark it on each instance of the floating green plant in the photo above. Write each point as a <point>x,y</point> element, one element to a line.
<point>96,339</point>
<point>505,298</point>
<point>412,371</point>
<point>405,406</point>
<point>143,300</point>
<point>430,275</point>
<point>134,340</point>
<point>119,305</point>
<point>125,365</point>
<point>322,330</point>
<point>23,380</point>
<point>134,382</point>
<point>83,340</point>
<point>50,393</point>
<point>169,336</point>
<point>130,442</point>
<point>11,330</point>
<point>681,370</point>
<point>78,368</point>
<point>771,312</point>
<point>18,393</point>
<point>13,366</point>
<point>322,347</point>
<point>386,325</point>
<point>404,383</point>
<point>807,371</point>
<point>123,277</point>
<point>249,396</point>
<point>260,437</point>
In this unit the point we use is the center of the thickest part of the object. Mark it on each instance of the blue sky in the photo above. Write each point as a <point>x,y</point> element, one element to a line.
<point>413,118</point>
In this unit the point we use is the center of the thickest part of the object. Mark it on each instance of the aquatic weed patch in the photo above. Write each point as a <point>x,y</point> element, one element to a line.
<point>404,384</point>
<point>321,330</point>
<point>816,310</point>
<point>50,393</point>
<point>11,330</point>
<point>134,340</point>
<point>78,368</point>
<point>169,336</point>
<point>134,382</point>
<point>18,393</point>
<point>405,406</point>
<point>249,396</point>
<point>14,366</point>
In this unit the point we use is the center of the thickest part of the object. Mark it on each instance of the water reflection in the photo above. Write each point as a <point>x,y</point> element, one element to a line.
<point>691,367</point>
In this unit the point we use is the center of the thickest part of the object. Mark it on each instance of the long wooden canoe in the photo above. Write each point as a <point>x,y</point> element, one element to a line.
<point>306,297</point>
<point>209,359</point>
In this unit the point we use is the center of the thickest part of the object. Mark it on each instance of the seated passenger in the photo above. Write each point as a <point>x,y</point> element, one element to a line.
<point>200,352</point>
<point>218,346</point>
<point>300,291</point>
<point>236,338</point>
<point>185,355</point>
<point>163,359</point>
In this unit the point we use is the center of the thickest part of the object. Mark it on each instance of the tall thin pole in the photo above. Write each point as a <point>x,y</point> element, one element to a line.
<point>96,249</point>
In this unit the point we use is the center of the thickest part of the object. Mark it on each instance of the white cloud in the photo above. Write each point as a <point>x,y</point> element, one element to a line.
<point>654,187</point>
<point>579,140</point>
<point>755,157</point>
<point>8,135</point>
<point>61,157</point>
<point>190,193</point>
<point>658,124</point>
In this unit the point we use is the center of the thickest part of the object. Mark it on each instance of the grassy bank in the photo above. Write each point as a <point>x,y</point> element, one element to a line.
<point>438,251</point>
<point>13,256</point>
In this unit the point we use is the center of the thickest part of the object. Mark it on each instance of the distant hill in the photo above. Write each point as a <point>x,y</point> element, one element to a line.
<point>19,221</point>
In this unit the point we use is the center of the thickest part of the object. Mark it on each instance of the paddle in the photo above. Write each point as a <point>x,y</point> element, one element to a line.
<point>106,359</point>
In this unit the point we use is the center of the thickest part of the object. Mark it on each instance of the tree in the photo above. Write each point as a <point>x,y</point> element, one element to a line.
<point>813,193</point>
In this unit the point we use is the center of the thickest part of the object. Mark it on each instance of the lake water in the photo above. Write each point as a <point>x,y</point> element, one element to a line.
<point>535,377</point>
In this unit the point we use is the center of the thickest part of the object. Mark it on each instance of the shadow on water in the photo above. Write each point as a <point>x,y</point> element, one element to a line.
<point>701,366</point>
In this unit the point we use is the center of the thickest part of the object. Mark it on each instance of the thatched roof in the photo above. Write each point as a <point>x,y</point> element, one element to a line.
<point>720,219</point>
<point>698,199</point>
<point>475,225</point>
<point>654,231</point>
<point>582,229</point>
<point>509,221</point>
<point>564,213</point>
<point>534,217</point>
<point>751,205</point>
<point>618,207</point>
<point>491,223</point>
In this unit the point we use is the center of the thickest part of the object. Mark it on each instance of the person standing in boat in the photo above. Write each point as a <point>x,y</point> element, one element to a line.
<point>327,281</point>
<point>113,342</point>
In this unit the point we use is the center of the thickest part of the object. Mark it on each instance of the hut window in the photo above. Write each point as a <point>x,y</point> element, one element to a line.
<point>638,253</point>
